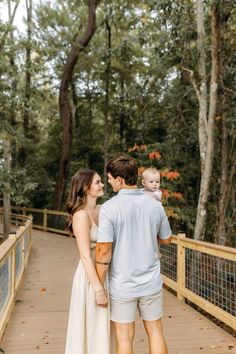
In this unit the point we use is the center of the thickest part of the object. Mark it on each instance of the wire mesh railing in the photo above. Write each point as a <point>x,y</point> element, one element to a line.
<point>203,273</point>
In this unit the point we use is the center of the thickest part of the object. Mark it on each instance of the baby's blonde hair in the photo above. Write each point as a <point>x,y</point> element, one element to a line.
<point>148,170</point>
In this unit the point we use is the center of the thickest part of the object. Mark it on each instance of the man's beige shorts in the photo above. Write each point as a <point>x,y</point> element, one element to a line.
<point>124,310</point>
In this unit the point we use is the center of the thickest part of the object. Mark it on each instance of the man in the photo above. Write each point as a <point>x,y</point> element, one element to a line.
<point>130,224</point>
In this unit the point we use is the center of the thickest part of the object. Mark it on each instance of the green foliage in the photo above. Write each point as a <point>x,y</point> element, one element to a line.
<point>18,184</point>
<point>151,100</point>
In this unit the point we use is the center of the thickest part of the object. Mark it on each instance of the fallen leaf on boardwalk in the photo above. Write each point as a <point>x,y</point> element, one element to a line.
<point>37,347</point>
<point>200,348</point>
<point>47,343</point>
<point>170,316</point>
<point>231,347</point>
<point>18,300</point>
<point>212,347</point>
<point>2,351</point>
<point>43,289</point>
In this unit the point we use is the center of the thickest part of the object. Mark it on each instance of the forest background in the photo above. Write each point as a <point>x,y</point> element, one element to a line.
<point>153,79</point>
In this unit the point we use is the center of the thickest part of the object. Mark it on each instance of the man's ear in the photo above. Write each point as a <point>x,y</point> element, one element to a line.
<point>121,180</point>
<point>143,183</point>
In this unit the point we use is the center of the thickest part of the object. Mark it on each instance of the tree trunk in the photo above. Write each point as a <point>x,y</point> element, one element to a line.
<point>65,106</point>
<point>209,154</point>
<point>6,191</point>
<point>8,27</point>
<point>202,118</point>
<point>122,112</point>
<point>13,86</point>
<point>220,232</point>
<point>27,92</point>
<point>26,114</point>
<point>107,103</point>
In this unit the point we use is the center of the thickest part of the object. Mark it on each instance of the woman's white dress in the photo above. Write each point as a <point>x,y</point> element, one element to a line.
<point>89,325</point>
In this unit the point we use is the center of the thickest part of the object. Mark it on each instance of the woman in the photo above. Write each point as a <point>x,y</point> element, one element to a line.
<point>89,324</point>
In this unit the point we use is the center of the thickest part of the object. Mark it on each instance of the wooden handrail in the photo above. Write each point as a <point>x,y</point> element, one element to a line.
<point>179,284</point>
<point>8,253</point>
<point>45,213</point>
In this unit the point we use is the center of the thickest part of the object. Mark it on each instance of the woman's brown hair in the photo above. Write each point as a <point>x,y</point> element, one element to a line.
<point>81,182</point>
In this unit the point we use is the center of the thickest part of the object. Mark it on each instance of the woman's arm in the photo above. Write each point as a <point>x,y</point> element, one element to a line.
<point>81,228</point>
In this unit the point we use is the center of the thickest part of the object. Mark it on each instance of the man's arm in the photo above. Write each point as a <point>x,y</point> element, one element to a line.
<point>103,254</point>
<point>166,241</point>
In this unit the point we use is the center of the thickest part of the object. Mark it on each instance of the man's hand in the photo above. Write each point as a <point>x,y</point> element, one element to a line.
<point>101,298</point>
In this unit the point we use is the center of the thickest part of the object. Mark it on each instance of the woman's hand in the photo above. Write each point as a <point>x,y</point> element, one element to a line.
<point>101,298</point>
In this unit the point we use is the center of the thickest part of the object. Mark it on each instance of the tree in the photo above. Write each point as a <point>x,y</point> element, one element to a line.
<point>65,102</point>
<point>28,79</point>
<point>6,190</point>
<point>207,108</point>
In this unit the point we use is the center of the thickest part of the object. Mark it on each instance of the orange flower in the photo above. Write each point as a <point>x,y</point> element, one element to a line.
<point>171,213</point>
<point>154,155</point>
<point>140,170</point>
<point>177,195</point>
<point>165,193</point>
<point>172,175</point>
<point>164,172</point>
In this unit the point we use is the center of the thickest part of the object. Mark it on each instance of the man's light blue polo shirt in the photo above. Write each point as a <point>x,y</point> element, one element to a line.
<point>132,220</point>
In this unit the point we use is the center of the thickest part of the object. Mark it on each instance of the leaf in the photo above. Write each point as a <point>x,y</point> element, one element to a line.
<point>43,289</point>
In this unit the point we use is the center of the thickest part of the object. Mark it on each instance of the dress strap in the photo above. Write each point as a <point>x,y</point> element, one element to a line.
<point>90,216</point>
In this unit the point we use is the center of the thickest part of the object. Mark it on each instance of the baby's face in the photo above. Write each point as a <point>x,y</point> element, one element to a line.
<point>152,181</point>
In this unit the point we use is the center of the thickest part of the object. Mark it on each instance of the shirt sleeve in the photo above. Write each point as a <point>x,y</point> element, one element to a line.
<point>164,229</point>
<point>106,230</point>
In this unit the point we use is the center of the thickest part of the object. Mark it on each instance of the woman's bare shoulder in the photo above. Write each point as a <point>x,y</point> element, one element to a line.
<point>81,215</point>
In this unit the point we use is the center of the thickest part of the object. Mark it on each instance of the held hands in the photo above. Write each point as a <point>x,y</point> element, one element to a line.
<point>101,298</point>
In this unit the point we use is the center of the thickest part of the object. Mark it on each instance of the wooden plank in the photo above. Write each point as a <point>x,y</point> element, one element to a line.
<point>180,269</point>
<point>39,320</point>
<point>210,248</point>
<point>169,282</point>
<point>36,210</point>
<point>223,316</point>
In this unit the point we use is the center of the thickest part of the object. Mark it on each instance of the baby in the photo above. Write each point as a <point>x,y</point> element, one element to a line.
<point>151,180</point>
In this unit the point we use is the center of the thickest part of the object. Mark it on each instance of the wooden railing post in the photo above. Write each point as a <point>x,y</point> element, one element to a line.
<point>180,268</point>
<point>45,220</point>
<point>30,234</point>
<point>13,268</point>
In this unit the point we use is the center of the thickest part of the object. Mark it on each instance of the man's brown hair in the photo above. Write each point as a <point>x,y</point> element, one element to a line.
<point>125,167</point>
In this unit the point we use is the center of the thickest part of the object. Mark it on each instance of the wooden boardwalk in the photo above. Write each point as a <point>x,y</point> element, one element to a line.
<point>39,321</point>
